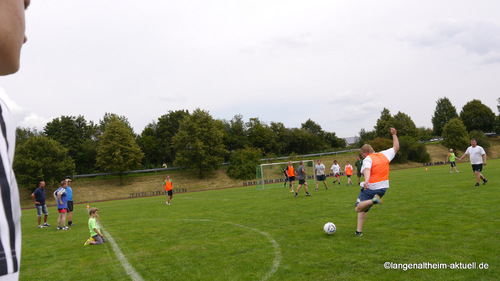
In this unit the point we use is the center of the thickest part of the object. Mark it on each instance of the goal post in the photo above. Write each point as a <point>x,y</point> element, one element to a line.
<point>271,175</point>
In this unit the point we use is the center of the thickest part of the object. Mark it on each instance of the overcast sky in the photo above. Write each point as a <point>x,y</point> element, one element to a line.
<point>336,62</point>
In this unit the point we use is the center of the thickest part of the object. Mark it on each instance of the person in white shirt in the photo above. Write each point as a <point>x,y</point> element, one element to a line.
<point>477,160</point>
<point>319,171</point>
<point>336,171</point>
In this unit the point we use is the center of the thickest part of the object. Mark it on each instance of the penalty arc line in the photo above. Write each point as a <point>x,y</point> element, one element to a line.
<point>277,251</point>
<point>121,257</point>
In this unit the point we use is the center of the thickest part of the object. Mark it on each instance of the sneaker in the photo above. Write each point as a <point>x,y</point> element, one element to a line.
<point>451,172</point>
<point>458,172</point>
<point>316,189</point>
<point>296,195</point>
<point>40,226</point>
<point>291,191</point>
<point>377,200</point>
<point>46,225</point>
<point>477,184</point>
<point>326,188</point>
<point>71,224</point>
<point>168,203</point>
<point>59,228</point>
<point>308,194</point>
<point>87,242</point>
<point>65,228</point>
<point>339,183</point>
<point>485,181</point>
<point>359,233</point>
<point>346,184</point>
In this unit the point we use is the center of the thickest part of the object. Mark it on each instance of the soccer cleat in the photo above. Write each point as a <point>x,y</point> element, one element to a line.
<point>59,228</point>
<point>359,233</point>
<point>87,242</point>
<point>296,195</point>
<point>308,194</point>
<point>168,203</point>
<point>65,228</point>
<point>291,191</point>
<point>46,225</point>
<point>316,189</point>
<point>485,181</point>
<point>40,226</point>
<point>377,200</point>
<point>477,184</point>
<point>71,224</point>
<point>339,183</point>
<point>326,188</point>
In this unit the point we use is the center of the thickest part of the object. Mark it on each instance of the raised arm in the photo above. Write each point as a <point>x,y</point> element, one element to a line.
<point>395,141</point>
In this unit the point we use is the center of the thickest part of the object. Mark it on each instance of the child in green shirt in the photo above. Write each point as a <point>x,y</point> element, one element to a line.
<point>95,231</point>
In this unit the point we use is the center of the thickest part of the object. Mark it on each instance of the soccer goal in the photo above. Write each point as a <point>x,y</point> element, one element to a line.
<point>271,175</point>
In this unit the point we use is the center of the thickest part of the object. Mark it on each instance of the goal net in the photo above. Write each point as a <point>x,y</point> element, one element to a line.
<point>271,175</point>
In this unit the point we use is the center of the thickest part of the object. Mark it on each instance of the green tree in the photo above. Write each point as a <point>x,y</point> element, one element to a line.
<point>455,135</point>
<point>443,113</point>
<point>333,141</point>
<point>117,150</point>
<point>242,163</point>
<point>405,126</point>
<point>23,134</point>
<point>426,134</point>
<point>103,123</point>
<point>199,142</point>
<point>477,116</point>
<point>384,123</point>
<point>40,158</point>
<point>481,139</point>
<point>235,136</point>
<point>78,136</point>
<point>365,137</point>
<point>260,135</point>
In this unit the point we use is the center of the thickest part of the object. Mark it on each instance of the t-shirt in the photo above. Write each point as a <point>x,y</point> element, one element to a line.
<point>451,156</point>
<point>320,169</point>
<point>335,168</point>
<point>476,154</point>
<point>69,192</point>
<point>367,164</point>
<point>64,198</point>
<point>93,224</point>
<point>358,165</point>
<point>40,195</point>
<point>301,173</point>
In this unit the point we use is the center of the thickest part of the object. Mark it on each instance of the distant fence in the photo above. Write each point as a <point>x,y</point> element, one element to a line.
<point>155,193</point>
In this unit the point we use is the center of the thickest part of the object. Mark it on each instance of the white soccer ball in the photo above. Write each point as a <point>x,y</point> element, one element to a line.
<point>329,228</point>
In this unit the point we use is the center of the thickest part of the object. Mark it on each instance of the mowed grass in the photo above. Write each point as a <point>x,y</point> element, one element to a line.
<point>247,234</point>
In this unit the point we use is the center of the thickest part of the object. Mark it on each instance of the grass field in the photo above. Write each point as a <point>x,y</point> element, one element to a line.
<point>247,234</point>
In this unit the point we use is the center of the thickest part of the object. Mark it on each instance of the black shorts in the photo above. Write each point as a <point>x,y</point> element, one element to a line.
<point>291,178</point>
<point>302,181</point>
<point>170,192</point>
<point>321,178</point>
<point>453,164</point>
<point>359,174</point>
<point>477,167</point>
<point>70,206</point>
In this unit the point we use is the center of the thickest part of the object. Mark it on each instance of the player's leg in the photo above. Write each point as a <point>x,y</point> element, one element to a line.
<point>361,221</point>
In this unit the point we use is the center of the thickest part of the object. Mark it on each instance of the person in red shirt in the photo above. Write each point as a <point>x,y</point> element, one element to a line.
<point>167,183</point>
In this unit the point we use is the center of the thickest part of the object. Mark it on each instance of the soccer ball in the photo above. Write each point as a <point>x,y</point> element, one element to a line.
<point>329,228</point>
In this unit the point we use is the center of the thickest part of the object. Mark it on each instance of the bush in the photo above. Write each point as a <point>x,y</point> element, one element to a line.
<point>242,163</point>
<point>481,138</point>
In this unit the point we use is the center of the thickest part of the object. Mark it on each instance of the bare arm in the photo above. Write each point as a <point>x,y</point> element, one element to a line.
<point>395,141</point>
<point>59,198</point>
<point>484,159</point>
<point>34,200</point>
<point>366,174</point>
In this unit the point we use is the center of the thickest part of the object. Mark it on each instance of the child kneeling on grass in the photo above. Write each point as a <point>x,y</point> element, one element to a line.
<point>95,232</point>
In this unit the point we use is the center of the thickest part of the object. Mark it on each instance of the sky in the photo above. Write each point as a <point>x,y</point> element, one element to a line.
<point>338,63</point>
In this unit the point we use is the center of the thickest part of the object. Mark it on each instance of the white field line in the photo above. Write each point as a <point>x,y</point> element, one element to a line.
<point>277,251</point>
<point>121,257</point>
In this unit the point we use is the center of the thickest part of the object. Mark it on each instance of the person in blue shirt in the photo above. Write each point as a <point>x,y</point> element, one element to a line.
<point>69,192</point>
<point>62,205</point>
<point>38,197</point>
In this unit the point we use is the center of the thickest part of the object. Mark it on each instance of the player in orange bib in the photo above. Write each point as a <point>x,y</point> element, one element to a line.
<point>167,183</point>
<point>290,171</point>
<point>376,172</point>
<point>348,172</point>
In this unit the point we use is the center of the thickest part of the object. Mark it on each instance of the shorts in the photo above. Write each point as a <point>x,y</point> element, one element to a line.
<point>62,211</point>
<point>302,181</point>
<point>359,174</point>
<point>99,240</point>
<point>453,164</point>
<point>70,206</point>
<point>477,167</point>
<point>170,192</point>
<point>369,194</point>
<point>40,209</point>
<point>291,179</point>
<point>337,175</point>
<point>321,178</point>
<point>348,176</point>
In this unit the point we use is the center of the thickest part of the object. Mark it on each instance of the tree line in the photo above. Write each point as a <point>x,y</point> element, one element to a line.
<point>71,145</point>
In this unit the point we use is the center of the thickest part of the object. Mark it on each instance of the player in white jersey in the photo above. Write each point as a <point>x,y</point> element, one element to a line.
<point>477,160</point>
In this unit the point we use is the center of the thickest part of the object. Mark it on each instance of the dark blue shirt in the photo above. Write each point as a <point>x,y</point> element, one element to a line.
<point>40,195</point>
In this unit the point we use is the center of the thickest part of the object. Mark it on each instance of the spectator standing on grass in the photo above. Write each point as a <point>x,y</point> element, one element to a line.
<point>358,164</point>
<point>336,171</point>
<point>376,172</point>
<point>290,171</point>
<point>95,229</point>
<point>348,172</point>
<point>451,158</point>
<point>38,197</point>
<point>167,183</point>
<point>69,192</point>
<point>301,175</point>
<point>62,205</point>
<point>477,160</point>
<point>286,176</point>
<point>319,171</point>
<point>12,38</point>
